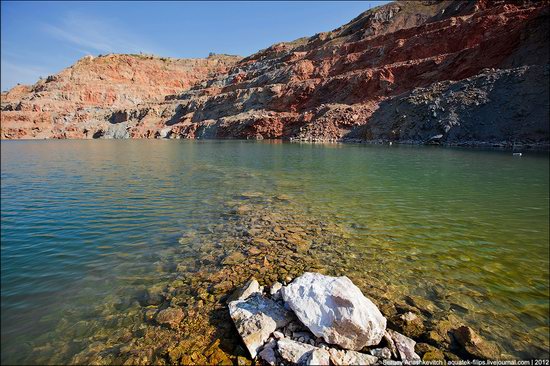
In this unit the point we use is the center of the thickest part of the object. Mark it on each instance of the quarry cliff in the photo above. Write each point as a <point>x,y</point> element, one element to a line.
<point>443,72</point>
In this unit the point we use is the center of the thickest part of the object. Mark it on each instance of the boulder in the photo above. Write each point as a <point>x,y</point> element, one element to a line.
<point>474,345</point>
<point>300,353</point>
<point>405,347</point>
<point>256,318</point>
<point>335,309</point>
<point>430,353</point>
<point>343,357</point>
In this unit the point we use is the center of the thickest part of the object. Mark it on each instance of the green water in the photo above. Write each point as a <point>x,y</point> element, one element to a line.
<point>86,224</point>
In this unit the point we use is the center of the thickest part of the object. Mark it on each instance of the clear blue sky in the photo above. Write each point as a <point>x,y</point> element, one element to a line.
<point>41,38</point>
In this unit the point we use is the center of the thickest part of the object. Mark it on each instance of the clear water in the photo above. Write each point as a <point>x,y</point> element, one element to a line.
<point>87,223</point>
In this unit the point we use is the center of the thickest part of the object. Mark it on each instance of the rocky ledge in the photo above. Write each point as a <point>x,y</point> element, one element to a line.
<point>322,320</point>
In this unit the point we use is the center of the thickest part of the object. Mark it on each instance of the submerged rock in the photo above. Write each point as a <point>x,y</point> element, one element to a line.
<point>335,309</point>
<point>256,318</point>
<point>170,317</point>
<point>474,345</point>
<point>410,324</point>
<point>233,258</point>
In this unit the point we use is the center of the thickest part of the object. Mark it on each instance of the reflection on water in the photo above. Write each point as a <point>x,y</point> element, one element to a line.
<point>88,226</point>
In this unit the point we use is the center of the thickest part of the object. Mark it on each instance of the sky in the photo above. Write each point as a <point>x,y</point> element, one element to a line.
<point>41,38</point>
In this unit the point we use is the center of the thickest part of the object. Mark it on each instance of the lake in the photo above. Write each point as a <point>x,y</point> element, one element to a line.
<point>89,226</point>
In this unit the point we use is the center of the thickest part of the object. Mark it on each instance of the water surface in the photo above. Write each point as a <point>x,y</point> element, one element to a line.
<point>85,224</point>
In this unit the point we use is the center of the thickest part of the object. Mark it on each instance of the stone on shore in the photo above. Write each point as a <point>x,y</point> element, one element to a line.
<point>318,357</point>
<point>384,353</point>
<point>301,353</point>
<point>335,309</point>
<point>343,357</point>
<point>275,290</point>
<point>405,346</point>
<point>268,353</point>
<point>391,344</point>
<point>256,318</point>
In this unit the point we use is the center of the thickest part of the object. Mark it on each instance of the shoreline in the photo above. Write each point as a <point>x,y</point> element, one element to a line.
<point>467,145</point>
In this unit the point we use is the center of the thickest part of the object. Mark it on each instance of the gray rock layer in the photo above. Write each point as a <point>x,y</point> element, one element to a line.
<point>496,107</point>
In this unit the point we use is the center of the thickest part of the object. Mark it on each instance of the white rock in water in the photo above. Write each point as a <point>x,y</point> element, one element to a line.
<point>300,353</point>
<point>342,357</point>
<point>256,318</point>
<point>275,291</point>
<point>405,346</point>
<point>335,309</point>
<point>250,287</point>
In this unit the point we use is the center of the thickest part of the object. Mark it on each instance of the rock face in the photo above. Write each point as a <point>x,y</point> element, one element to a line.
<point>98,95</point>
<point>358,81</point>
<point>335,309</point>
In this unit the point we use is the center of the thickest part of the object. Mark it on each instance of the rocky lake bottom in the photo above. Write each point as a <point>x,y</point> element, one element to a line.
<point>99,238</point>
